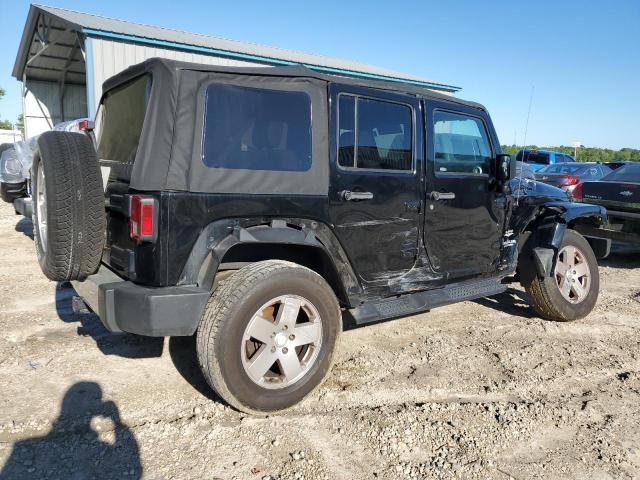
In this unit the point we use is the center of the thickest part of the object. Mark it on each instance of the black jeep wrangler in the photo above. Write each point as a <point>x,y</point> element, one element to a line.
<point>259,207</point>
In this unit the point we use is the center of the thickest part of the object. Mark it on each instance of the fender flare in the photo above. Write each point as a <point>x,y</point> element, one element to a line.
<point>547,228</point>
<point>217,238</point>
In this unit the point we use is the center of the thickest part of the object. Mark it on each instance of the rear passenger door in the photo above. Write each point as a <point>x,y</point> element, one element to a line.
<point>464,212</point>
<point>375,192</point>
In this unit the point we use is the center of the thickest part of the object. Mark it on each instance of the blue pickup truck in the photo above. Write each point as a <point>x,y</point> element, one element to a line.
<point>537,159</point>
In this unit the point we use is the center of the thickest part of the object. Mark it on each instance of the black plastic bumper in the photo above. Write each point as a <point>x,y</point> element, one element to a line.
<point>24,206</point>
<point>124,306</point>
<point>11,191</point>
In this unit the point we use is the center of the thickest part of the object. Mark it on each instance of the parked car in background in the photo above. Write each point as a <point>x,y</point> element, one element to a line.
<point>619,192</point>
<point>540,158</point>
<point>16,160</point>
<point>15,165</point>
<point>569,176</point>
<point>615,164</point>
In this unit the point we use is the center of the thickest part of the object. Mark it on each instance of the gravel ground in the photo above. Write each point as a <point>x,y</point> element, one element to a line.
<point>476,390</point>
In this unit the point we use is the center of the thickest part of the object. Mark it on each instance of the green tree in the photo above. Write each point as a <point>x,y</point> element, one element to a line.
<point>19,125</point>
<point>4,124</point>
<point>585,154</point>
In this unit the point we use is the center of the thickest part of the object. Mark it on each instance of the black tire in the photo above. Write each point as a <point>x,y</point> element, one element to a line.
<point>227,315</point>
<point>545,293</point>
<point>75,207</point>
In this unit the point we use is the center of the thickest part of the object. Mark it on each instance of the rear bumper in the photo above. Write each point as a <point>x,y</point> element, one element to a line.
<point>11,191</point>
<point>24,206</point>
<point>124,306</point>
<point>606,233</point>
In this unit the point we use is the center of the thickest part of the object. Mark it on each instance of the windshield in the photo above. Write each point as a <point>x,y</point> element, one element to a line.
<point>628,173</point>
<point>563,168</point>
<point>525,171</point>
<point>533,157</point>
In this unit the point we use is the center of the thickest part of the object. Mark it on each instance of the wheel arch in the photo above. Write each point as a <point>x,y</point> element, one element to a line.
<point>542,236</point>
<point>230,244</point>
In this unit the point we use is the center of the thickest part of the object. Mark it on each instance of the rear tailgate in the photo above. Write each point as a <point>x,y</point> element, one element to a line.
<point>119,124</point>
<point>620,196</point>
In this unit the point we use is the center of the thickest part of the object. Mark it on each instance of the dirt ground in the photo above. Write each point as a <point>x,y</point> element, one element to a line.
<point>476,390</point>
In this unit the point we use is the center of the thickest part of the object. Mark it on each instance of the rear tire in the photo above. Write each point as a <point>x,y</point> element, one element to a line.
<point>68,206</point>
<point>560,297</point>
<point>253,313</point>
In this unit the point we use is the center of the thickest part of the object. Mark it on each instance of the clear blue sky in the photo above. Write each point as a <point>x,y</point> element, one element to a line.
<point>583,57</point>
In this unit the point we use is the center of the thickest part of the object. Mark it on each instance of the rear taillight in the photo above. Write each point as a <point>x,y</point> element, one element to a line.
<point>142,223</point>
<point>578,192</point>
<point>568,180</point>
<point>85,125</point>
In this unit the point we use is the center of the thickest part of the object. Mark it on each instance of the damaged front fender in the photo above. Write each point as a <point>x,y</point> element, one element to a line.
<point>545,232</point>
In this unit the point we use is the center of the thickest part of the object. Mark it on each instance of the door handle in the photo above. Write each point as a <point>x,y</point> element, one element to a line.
<point>351,196</point>
<point>442,196</point>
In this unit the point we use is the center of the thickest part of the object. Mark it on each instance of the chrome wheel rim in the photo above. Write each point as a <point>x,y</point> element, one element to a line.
<point>572,274</point>
<point>41,207</point>
<point>281,342</point>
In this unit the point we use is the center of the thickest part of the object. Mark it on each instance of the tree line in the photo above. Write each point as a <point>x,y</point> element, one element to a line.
<point>584,154</point>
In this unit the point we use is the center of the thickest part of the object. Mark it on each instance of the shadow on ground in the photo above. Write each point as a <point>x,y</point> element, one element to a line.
<point>121,344</point>
<point>181,349</point>
<point>73,449</point>
<point>513,302</point>
<point>25,225</point>
<point>184,357</point>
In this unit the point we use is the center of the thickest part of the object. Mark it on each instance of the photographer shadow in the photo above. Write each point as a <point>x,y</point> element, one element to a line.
<point>73,448</point>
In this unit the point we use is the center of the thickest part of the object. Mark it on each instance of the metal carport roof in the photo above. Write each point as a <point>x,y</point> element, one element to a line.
<point>62,28</point>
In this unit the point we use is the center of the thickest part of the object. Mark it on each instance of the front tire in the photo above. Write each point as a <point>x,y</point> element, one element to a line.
<point>268,336</point>
<point>571,290</point>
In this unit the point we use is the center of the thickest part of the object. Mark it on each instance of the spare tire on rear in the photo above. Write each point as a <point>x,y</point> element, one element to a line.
<point>68,206</point>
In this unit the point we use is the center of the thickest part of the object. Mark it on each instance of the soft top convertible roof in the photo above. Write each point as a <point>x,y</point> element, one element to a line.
<point>170,151</point>
<point>172,67</point>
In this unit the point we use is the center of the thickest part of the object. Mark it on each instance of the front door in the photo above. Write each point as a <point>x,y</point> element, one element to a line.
<point>464,213</point>
<point>375,193</point>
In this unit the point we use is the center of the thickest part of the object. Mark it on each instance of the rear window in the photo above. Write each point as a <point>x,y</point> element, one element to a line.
<point>533,157</point>
<point>628,173</point>
<point>120,120</point>
<point>564,168</point>
<point>256,129</point>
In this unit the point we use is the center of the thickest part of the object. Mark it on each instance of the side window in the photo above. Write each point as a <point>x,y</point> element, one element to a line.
<point>374,134</point>
<point>346,130</point>
<point>461,144</point>
<point>256,129</point>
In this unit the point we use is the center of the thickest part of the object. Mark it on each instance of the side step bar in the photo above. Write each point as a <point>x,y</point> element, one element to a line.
<point>413,303</point>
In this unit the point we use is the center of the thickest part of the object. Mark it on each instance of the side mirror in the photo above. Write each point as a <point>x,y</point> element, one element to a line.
<point>505,168</point>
